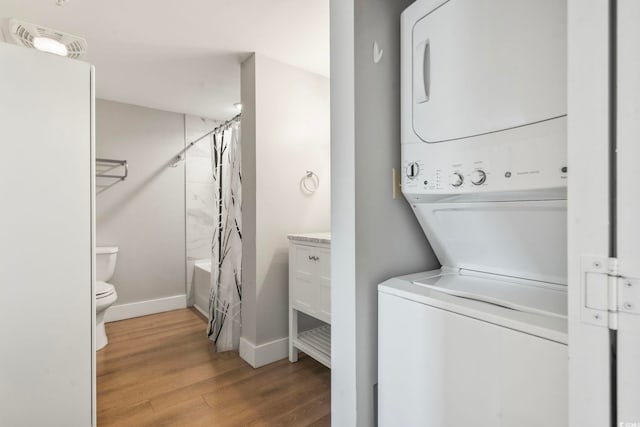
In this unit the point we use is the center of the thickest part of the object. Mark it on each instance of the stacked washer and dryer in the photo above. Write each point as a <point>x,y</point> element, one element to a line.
<point>482,341</point>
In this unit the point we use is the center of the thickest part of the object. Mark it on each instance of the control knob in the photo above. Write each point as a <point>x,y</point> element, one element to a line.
<point>478,177</point>
<point>412,170</point>
<point>456,179</point>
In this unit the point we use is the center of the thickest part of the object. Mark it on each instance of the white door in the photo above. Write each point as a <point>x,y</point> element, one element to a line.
<point>46,239</point>
<point>604,207</point>
<point>628,212</point>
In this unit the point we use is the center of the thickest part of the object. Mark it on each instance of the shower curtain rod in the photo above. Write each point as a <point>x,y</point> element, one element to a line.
<point>181,156</point>
<point>222,126</point>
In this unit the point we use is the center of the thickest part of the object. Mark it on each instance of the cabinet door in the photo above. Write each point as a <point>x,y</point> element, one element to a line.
<point>304,286</point>
<point>324,285</point>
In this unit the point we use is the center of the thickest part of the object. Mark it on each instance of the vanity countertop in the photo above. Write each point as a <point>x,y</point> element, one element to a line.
<point>311,237</point>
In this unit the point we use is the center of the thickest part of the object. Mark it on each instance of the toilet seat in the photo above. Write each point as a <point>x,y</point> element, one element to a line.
<point>104,289</point>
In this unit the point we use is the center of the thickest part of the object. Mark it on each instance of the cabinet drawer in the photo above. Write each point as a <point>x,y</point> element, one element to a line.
<point>307,259</point>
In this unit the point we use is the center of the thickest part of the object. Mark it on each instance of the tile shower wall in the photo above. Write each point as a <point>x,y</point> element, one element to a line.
<point>199,195</point>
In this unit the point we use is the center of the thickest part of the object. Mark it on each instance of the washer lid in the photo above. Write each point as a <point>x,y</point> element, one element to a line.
<point>547,326</point>
<point>513,294</point>
<point>104,289</point>
<point>524,239</point>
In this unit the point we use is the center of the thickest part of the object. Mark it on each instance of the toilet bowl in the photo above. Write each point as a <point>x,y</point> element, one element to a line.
<point>105,292</point>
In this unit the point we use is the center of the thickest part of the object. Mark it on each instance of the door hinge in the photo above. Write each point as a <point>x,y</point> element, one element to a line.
<point>605,293</point>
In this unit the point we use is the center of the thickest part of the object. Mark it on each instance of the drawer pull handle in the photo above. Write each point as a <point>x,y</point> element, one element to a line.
<point>313,258</point>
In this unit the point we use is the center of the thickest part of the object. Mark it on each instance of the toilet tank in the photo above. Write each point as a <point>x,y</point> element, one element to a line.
<point>105,262</point>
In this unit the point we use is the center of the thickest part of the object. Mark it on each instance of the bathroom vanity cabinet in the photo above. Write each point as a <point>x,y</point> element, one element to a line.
<point>310,293</point>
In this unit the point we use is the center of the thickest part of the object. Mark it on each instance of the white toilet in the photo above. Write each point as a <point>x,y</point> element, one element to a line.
<point>105,292</point>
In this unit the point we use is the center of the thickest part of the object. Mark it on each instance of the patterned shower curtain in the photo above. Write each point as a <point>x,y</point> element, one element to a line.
<point>226,249</point>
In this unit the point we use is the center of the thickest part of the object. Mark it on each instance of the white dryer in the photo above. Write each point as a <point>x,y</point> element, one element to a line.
<point>483,340</point>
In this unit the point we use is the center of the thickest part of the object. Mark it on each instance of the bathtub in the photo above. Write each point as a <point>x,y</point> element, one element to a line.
<point>201,286</point>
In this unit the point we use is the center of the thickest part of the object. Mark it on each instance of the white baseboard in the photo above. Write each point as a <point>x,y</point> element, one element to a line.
<point>143,308</point>
<point>204,313</point>
<point>263,354</point>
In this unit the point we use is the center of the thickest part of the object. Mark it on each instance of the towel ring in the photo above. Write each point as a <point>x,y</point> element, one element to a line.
<point>310,182</point>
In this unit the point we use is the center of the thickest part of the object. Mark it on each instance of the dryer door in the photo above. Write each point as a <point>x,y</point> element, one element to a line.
<point>482,66</point>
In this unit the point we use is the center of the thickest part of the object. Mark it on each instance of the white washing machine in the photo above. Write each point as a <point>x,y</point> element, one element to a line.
<point>482,341</point>
<point>450,358</point>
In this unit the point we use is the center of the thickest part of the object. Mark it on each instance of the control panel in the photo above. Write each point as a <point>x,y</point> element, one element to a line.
<point>480,176</point>
<point>535,160</point>
<point>455,179</point>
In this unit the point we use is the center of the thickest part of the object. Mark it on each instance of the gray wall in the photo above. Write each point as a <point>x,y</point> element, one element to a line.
<point>248,149</point>
<point>144,215</point>
<point>373,236</point>
<point>286,132</point>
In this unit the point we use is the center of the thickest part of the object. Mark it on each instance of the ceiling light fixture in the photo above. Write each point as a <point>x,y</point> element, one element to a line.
<point>46,44</point>
<point>44,39</point>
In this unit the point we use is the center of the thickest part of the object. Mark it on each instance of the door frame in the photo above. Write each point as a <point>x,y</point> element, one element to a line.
<point>627,207</point>
<point>589,207</point>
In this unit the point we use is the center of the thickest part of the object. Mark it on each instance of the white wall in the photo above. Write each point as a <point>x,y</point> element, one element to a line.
<point>249,199</point>
<point>47,306</point>
<point>144,215</point>
<point>285,132</point>
<point>373,236</point>
<point>343,270</point>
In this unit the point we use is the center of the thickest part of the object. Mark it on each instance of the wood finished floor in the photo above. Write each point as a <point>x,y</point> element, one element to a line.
<point>161,370</point>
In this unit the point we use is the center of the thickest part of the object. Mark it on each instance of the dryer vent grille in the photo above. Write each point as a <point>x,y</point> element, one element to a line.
<point>22,33</point>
